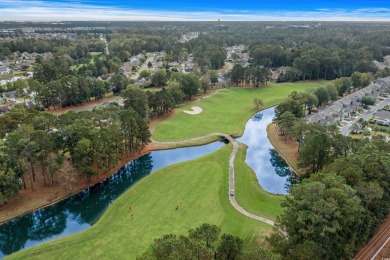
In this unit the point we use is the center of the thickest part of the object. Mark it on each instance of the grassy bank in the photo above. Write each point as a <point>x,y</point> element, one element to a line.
<point>288,150</point>
<point>250,195</point>
<point>226,111</point>
<point>200,189</point>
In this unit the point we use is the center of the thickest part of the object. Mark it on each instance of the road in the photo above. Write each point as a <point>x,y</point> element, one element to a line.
<point>144,66</point>
<point>376,244</point>
<point>345,130</point>
<point>89,108</point>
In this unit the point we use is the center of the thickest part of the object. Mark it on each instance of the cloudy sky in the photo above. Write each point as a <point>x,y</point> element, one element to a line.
<point>172,10</point>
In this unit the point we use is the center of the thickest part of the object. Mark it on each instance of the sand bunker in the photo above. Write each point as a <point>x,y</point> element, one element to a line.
<point>195,111</point>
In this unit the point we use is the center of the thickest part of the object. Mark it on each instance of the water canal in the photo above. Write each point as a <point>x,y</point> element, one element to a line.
<point>82,210</point>
<point>272,172</point>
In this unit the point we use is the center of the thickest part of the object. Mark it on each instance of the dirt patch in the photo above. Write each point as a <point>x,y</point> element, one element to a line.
<point>86,105</point>
<point>195,110</point>
<point>288,150</point>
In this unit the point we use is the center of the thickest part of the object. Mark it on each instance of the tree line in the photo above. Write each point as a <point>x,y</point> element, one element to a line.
<point>343,196</point>
<point>333,212</point>
<point>203,242</point>
<point>257,75</point>
<point>94,141</point>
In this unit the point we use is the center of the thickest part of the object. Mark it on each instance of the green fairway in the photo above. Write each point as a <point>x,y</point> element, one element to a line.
<point>200,189</point>
<point>95,53</point>
<point>226,111</point>
<point>250,195</point>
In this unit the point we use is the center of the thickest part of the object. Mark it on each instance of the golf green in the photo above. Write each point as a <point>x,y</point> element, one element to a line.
<point>199,188</point>
<point>225,111</point>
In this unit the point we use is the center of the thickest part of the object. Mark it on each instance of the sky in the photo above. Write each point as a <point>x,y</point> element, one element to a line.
<point>191,10</point>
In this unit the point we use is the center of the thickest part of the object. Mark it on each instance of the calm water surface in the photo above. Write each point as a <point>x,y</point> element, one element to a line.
<point>84,209</point>
<point>80,211</point>
<point>272,171</point>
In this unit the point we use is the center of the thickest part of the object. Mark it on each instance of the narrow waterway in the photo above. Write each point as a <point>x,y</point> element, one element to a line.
<point>273,173</point>
<point>82,210</point>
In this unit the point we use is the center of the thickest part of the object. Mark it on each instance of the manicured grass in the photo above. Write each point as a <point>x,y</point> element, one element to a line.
<point>95,53</point>
<point>200,189</point>
<point>226,111</point>
<point>250,195</point>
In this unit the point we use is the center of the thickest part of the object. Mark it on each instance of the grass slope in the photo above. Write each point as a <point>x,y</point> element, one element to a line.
<point>199,187</point>
<point>250,195</point>
<point>226,111</point>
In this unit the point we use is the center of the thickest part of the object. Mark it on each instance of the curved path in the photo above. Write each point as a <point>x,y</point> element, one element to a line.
<point>232,199</point>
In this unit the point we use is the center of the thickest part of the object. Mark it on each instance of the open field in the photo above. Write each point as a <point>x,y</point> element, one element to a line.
<point>198,187</point>
<point>226,111</point>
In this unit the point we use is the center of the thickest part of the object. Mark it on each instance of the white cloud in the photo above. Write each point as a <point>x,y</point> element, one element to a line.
<point>19,10</point>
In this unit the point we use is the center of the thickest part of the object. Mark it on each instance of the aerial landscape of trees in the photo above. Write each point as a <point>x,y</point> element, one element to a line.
<point>336,204</point>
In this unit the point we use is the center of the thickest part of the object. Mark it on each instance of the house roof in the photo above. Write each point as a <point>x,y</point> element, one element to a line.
<point>382,114</point>
<point>346,101</point>
<point>368,89</point>
<point>9,94</point>
<point>3,68</point>
<point>315,117</point>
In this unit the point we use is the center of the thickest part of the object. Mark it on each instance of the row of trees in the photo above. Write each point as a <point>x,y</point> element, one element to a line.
<point>93,140</point>
<point>299,102</point>
<point>66,91</point>
<point>319,63</point>
<point>76,49</point>
<point>344,194</point>
<point>331,214</point>
<point>203,242</point>
<point>57,66</point>
<point>258,75</point>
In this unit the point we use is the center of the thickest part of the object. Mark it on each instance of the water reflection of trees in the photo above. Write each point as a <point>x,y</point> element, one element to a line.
<point>88,206</point>
<point>36,226</point>
<point>257,117</point>
<point>85,207</point>
<point>282,169</point>
<point>46,223</point>
<point>14,234</point>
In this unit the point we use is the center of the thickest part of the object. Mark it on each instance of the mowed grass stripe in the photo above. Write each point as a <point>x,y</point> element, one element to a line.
<point>199,187</point>
<point>250,195</point>
<point>226,111</point>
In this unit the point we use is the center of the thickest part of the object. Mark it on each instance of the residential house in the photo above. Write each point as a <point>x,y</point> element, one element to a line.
<point>143,82</point>
<point>10,96</point>
<point>125,70</point>
<point>382,117</point>
<point>4,69</point>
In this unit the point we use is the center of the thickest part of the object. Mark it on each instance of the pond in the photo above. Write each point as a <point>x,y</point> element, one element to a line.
<point>82,210</point>
<point>273,173</point>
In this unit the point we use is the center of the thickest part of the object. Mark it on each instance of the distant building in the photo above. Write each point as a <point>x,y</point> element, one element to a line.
<point>10,95</point>
<point>125,70</point>
<point>4,70</point>
<point>382,117</point>
<point>386,60</point>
